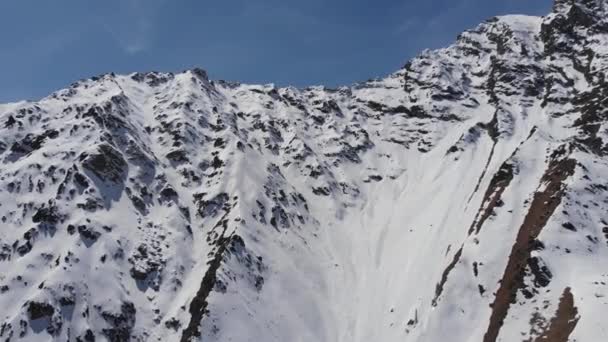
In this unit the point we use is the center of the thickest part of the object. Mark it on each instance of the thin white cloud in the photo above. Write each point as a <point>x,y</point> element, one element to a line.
<point>456,8</point>
<point>408,25</point>
<point>131,24</point>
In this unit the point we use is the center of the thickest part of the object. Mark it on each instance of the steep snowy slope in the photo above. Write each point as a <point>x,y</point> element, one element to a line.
<point>462,198</point>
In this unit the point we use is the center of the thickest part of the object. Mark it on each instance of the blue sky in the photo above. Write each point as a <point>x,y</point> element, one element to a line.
<point>46,44</point>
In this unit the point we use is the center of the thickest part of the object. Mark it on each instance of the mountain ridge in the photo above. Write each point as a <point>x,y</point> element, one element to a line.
<point>460,198</point>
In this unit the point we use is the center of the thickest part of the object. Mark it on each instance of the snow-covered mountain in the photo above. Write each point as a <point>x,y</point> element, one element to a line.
<point>462,198</point>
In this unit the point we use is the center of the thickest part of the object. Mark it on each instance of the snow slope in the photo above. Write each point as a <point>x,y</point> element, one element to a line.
<point>461,198</point>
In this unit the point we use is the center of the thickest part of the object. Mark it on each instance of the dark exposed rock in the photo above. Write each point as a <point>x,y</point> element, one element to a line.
<point>106,163</point>
<point>325,143</point>
<point>569,226</point>
<point>153,79</point>
<point>120,324</point>
<point>139,204</point>
<point>324,191</point>
<point>168,194</point>
<point>375,106</point>
<point>10,122</point>
<point>565,320</point>
<point>30,143</point>
<point>212,206</point>
<point>87,337</point>
<point>146,265</point>
<point>48,215</point>
<point>444,277</point>
<point>543,205</point>
<point>90,204</point>
<point>199,303</point>
<point>217,163</point>
<point>373,178</point>
<point>542,275</point>
<point>200,73</point>
<point>88,233</point>
<point>38,310</point>
<point>493,195</point>
<point>279,218</point>
<point>173,324</point>
<point>178,157</point>
<point>331,107</point>
<point>81,180</point>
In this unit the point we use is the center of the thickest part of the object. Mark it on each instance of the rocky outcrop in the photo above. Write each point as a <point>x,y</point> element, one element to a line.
<point>459,198</point>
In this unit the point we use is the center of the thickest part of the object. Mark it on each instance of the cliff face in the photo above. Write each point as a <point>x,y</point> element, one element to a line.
<point>462,198</point>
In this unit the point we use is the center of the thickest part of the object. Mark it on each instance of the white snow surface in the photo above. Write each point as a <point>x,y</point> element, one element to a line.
<point>170,207</point>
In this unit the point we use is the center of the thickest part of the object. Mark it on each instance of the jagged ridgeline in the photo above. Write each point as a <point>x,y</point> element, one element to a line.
<point>462,198</point>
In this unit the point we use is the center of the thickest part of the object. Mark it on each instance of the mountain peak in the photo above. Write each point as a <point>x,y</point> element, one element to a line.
<point>201,73</point>
<point>462,198</point>
<point>583,12</point>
